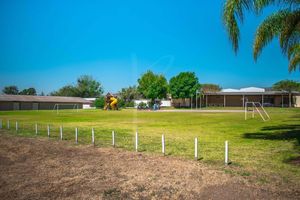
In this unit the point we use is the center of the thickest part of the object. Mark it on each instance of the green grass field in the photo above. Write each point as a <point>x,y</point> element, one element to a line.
<point>260,149</point>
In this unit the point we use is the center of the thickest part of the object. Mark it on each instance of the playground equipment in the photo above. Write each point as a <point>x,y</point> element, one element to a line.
<point>256,107</point>
<point>155,105</point>
<point>111,102</point>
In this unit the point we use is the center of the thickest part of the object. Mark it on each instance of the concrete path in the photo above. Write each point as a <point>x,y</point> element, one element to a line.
<point>202,111</point>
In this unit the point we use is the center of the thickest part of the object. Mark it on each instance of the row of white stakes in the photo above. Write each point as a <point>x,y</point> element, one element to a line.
<point>163,149</point>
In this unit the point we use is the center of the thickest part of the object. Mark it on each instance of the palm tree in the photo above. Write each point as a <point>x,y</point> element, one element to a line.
<point>284,24</point>
<point>288,86</point>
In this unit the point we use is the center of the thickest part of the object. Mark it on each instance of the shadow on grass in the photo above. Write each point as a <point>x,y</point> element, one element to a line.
<point>280,132</point>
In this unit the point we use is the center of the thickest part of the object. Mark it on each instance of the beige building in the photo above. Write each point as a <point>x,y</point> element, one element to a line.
<point>297,100</point>
<point>27,102</point>
<point>272,98</point>
<point>238,98</point>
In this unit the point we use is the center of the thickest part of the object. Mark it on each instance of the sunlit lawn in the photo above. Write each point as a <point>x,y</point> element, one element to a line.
<point>256,147</point>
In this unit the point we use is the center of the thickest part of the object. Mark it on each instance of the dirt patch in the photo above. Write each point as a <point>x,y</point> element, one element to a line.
<point>32,168</point>
<point>295,161</point>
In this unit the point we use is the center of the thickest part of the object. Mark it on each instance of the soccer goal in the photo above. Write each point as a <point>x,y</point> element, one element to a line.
<point>59,106</point>
<point>253,107</point>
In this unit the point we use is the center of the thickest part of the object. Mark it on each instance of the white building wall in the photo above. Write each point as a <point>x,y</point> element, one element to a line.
<point>88,106</point>
<point>165,103</point>
<point>297,102</point>
<point>138,101</point>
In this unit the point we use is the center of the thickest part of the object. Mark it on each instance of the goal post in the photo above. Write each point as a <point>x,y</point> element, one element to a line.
<point>256,107</point>
<point>66,106</point>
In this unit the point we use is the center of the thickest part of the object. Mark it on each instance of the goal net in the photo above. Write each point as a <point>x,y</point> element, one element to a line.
<point>58,107</point>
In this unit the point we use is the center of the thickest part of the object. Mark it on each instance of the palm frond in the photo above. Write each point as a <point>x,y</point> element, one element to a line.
<point>232,11</point>
<point>294,62</point>
<point>261,4</point>
<point>294,57</point>
<point>290,32</point>
<point>267,30</point>
<point>294,49</point>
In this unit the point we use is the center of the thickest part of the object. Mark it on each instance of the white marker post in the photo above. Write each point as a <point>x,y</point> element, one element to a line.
<point>113,138</point>
<point>93,136</point>
<point>226,153</point>
<point>36,128</point>
<point>163,144</point>
<point>17,126</point>
<point>48,130</point>
<point>8,126</point>
<point>136,141</point>
<point>196,148</point>
<point>76,135</point>
<point>61,132</point>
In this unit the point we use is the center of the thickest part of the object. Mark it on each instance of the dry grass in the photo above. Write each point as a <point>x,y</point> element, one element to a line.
<point>35,168</point>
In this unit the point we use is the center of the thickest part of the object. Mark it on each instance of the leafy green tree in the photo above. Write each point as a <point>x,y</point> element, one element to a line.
<point>100,102</point>
<point>67,91</point>
<point>153,86</point>
<point>121,103</point>
<point>88,87</point>
<point>129,94</point>
<point>184,85</point>
<point>210,87</point>
<point>29,91</point>
<point>288,86</point>
<point>11,90</point>
<point>282,24</point>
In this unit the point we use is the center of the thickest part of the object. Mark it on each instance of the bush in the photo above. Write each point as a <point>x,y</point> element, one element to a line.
<point>121,103</point>
<point>100,102</point>
<point>143,106</point>
<point>129,104</point>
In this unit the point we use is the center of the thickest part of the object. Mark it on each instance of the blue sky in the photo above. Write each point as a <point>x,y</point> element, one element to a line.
<point>48,44</point>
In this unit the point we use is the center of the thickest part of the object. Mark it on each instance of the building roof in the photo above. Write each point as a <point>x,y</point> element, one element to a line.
<point>247,89</point>
<point>91,99</point>
<point>252,89</point>
<point>52,99</point>
<point>230,90</point>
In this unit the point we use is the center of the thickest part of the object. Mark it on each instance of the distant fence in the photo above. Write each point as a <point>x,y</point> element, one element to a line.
<point>192,148</point>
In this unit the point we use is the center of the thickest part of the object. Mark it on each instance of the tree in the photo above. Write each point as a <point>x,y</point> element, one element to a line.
<point>29,91</point>
<point>153,86</point>
<point>88,87</point>
<point>100,102</point>
<point>184,85</point>
<point>210,87</point>
<point>289,86</point>
<point>67,91</point>
<point>130,93</point>
<point>283,24</point>
<point>11,90</point>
